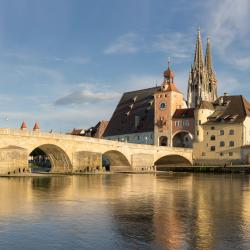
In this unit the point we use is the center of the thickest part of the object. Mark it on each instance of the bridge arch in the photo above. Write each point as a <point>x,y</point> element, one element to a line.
<point>115,160</point>
<point>183,139</point>
<point>172,160</point>
<point>58,158</point>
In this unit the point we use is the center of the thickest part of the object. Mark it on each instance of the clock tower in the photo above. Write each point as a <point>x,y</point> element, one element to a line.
<point>167,99</point>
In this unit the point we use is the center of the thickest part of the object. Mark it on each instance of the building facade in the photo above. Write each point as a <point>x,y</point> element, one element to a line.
<point>223,132</point>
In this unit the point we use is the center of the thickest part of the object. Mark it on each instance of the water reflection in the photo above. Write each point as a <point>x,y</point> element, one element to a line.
<point>166,211</point>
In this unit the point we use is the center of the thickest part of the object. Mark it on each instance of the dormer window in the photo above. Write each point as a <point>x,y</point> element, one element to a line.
<point>131,105</point>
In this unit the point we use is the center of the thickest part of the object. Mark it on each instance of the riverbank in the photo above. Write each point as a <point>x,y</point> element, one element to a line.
<point>208,169</point>
<point>193,169</point>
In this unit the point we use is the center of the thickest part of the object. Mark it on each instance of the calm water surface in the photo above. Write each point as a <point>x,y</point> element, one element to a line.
<point>165,211</point>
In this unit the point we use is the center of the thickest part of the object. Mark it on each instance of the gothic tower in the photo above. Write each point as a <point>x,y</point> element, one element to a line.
<point>212,81</point>
<point>202,84</point>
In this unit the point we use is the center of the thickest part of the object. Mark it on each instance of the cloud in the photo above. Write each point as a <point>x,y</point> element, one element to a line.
<point>87,94</point>
<point>135,82</point>
<point>228,83</point>
<point>27,57</point>
<point>74,60</point>
<point>125,44</point>
<point>229,23</point>
<point>242,63</point>
<point>176,45</point>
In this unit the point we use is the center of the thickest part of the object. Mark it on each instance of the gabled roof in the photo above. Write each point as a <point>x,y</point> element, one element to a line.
<point>230,109</point>
<point>183,113</point>
<point>133,105</point>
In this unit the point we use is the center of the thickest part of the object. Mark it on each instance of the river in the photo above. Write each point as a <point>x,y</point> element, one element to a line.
<point>126,211</point>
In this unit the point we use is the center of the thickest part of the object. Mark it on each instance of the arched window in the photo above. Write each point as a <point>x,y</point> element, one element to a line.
<point>163,141</point>
<point>212,138</point>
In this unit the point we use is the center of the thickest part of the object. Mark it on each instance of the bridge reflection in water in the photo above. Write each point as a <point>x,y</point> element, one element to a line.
<point>165,211</point>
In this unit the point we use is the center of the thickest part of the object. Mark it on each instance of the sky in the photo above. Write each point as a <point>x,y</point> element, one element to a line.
<point>66,63</point>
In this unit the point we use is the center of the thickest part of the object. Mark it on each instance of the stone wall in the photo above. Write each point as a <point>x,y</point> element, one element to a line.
<point>13,160</point>
<point>85,161</point>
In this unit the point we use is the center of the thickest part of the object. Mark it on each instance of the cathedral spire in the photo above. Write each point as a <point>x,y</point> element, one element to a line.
<point>198,56</point>
<point>208,57</point>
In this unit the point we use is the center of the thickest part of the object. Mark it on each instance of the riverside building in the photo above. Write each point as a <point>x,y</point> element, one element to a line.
<point>160,115</point>
<point>222,132</point>
<point>157,115</point>
<point>218,129</point>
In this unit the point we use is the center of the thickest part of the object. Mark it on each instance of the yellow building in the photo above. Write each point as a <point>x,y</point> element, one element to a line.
<point>222,132</point>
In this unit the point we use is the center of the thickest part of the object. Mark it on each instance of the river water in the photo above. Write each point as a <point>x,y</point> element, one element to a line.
<point>162,211</point>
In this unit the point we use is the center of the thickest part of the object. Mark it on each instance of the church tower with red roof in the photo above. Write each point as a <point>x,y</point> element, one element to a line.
<point>167,99</point>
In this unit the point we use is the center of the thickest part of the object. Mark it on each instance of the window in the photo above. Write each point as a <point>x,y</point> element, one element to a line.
<point>138,137</point>
<point>203,154</point>
<point>212,128</point>
<point>212,138</point>
<point>230,153</point>
<point>212,148</point>
<point>199,122</point>
<point>222,143</point>
<point>137,121</point>
<point>185,123</point>
<point>221,132</point>
<point>231,132</point>
<point>231,144</point>
<point>221,154</point>
<point>177,123</point>
<point>197,132</point>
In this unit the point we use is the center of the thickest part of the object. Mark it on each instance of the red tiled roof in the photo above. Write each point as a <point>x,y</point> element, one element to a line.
<point>23,126</point>
<point>183,113</point>
<point>36,126</point>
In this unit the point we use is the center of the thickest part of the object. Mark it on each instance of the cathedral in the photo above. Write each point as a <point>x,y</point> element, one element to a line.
<point>202,83</point>
<point>160,115</point>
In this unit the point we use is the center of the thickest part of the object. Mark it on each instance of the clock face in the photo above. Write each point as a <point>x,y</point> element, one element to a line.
<point>163,106</point>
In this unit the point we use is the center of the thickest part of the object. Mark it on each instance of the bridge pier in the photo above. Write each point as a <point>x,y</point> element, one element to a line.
<point>13,160</point>
<point>84,161</point>
<point>142,162</point>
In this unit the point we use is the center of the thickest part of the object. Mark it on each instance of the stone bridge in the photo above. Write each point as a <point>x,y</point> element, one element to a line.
<point>69,154</point>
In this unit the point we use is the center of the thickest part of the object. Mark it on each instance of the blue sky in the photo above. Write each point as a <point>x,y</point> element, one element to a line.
<point>65,63</point>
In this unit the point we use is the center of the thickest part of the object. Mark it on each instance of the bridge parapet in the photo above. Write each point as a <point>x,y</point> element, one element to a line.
<point>39,134</point>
